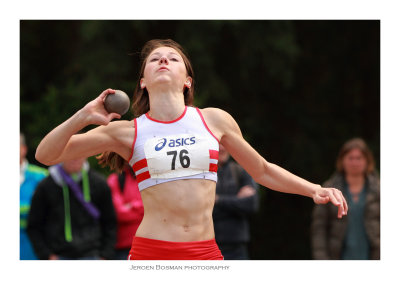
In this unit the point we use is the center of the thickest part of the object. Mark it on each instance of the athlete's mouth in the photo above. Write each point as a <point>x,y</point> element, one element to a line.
<point>163,68</point>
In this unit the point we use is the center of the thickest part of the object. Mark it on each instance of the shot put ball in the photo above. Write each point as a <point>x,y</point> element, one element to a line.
<point>117,103</point>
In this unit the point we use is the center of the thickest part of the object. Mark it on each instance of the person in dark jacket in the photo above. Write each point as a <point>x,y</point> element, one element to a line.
<point>72,214</point>
<point>356,236</point>
<point>236,200</point>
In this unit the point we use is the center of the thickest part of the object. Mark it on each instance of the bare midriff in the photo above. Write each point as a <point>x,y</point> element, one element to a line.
<point>178,211</point>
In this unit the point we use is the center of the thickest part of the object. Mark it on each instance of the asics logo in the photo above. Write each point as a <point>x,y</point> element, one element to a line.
<point>174,142</point>
<point>161,144</point>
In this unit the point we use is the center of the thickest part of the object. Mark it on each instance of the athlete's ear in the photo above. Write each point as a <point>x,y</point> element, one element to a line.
<point>142,83</point>
<point>188,82</point>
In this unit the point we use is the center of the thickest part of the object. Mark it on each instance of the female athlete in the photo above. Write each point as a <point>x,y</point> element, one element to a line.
<point>173,149</point>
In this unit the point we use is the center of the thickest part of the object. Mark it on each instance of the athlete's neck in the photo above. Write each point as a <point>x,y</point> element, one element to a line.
<point>166,106</point>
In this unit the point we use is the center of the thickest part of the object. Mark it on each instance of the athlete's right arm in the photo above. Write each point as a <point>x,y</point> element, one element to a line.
<point>62,143</point>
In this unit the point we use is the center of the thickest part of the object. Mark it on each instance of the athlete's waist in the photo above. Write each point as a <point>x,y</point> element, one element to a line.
<point>175,244</point>
<point>179,237</point>
<point>154,249</point>
<point>176,229</point>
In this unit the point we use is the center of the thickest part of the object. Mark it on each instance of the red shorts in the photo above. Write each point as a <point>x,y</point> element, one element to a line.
<point>152,249</point>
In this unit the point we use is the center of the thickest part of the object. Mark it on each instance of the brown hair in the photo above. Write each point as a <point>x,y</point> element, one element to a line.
<point>356,143</point>
<point>140,100</point>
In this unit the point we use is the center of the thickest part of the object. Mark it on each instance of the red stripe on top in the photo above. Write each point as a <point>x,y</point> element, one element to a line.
<point>139,165</point>
<point>134,139</point>
<point>167,122</point>
<point>142,176</point>
<point>213,167</point>
<point>214,154</point>
<point>204,122</point>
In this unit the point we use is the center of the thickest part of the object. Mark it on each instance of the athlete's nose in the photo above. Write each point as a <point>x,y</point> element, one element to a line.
<point>163,60</point>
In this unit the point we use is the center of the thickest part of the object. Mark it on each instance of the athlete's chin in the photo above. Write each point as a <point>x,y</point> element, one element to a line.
<point>163,84</point>
<point>163,80</point>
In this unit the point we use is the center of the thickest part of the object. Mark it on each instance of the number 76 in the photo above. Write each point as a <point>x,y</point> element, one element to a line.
<point>183,158</point>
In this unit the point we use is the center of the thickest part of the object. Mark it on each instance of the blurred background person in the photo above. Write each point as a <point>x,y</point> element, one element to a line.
<point>30,176</point>
<point>356,236</point>
<point>72,215</point>
<point>128,206</point>
<point>236,199</point>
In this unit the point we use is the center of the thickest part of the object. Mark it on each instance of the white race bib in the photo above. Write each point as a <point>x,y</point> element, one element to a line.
<point>177,156</point>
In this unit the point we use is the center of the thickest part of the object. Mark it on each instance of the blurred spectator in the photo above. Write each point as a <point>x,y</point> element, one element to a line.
<point>72,215</point>
<point>30,176</point>
<point>128,206</point>
<point>236,200</point>
<point>356,236</point>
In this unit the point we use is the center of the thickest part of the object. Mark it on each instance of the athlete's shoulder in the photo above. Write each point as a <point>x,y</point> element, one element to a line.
<point>219,121</point>
<point>218,117</point>
<point>215,114</point>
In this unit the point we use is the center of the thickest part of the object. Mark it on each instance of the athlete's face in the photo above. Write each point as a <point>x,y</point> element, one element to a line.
<point>165,65</point>
<point>354,163</point>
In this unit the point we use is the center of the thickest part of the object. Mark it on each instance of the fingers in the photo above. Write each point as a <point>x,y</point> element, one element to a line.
<point>322,200</point>
<point>344,202</point>
<point>335,196</point>
<point>106,92</point>
<point>340,195</point>
<point>339,200</point>
<point>112,116</point>
<point>107,119</point>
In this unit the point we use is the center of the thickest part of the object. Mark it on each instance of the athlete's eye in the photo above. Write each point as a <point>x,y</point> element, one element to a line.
<point>174,59</point>
<point>153,59</point>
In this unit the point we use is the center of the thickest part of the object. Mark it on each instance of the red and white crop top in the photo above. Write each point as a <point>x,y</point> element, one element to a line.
<point>184,148</point>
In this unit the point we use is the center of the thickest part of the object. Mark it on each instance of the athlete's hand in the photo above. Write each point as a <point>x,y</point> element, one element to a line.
<point>325,195</point>
<point>95,113</point>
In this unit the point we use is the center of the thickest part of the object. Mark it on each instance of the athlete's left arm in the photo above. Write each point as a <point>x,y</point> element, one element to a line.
<point>225,128</point>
